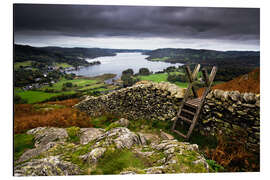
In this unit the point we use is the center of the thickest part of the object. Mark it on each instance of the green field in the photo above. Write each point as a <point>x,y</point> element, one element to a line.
<point>39,96</point>
<point>23,64</point>
<point>80,85</point>
<point>78,82</point>
<point>160,59</point>
<point>63,65</point>
<point>162,77</point>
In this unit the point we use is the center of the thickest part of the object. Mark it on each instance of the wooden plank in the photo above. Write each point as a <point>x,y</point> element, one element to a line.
<point>191,77</point>
<point>195,72</point>
<point>185,119</point>
<point>191,105</point>
<point>187,68</point>
<point>184,136</point>
<point>195,119</point>
<point>205,76</point>
<point>196,103</point>
<point>187,111</point>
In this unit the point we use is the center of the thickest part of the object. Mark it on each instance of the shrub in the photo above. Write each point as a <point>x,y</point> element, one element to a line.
<point>176,78</point>
<point>231,153</point>
<point>128,72</point>
<point>144,71</point>
<point>67,84</point>
<point>128,80</point>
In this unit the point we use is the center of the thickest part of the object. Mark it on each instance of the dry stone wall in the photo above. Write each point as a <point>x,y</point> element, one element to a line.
<point>141,101</point>
<point>228,113</point>
<point>232,113</point>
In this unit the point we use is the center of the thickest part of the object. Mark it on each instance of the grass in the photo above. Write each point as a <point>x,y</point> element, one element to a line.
<point>39,96</point>
<point>22,142</point>
<point>160,59</point>
<point>114,161</point>
<point>78,82</point>
<point>104,121</point>
<point>162,77</point>
<point>99,85</point>
<point>23,64</point>
<point>63,65</point>
<point>155,77</point>
<point>73,134</point>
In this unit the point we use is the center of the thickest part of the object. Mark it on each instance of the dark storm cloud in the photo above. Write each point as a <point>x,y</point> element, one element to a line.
<point>137,21</point>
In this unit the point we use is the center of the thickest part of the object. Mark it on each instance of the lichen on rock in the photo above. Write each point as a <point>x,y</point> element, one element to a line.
<point>67,158</point>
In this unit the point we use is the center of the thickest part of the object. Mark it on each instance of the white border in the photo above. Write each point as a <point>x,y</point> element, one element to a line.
<point>6,84</point>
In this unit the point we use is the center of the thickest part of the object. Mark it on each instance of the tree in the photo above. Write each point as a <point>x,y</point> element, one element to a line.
<point>128,72</point>
<point>68,84</point>
<point>128,80</point>
<point>144,71</point>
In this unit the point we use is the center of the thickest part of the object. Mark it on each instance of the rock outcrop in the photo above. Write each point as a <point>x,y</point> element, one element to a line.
<point>58,156</point>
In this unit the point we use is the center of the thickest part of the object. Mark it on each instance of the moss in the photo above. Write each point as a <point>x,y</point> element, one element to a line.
<point>71,153</point>
<point>111,126</point>
<point>73,134</point>
<point>153,159</point>
<point>115,161</point>
<point>135,170</point>
<point>104,120</point>
<point>186,163</point>
<point>22,142</point>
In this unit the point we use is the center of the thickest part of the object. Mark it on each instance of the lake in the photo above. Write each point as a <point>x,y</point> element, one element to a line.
<point>120,62</point>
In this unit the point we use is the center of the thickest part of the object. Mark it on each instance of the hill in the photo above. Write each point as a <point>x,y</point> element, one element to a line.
<point>203,56</point>
<point>73,56</point>
<point>246,83</point>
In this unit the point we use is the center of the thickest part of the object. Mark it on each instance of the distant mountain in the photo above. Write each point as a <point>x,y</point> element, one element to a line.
<point>73,56</point>
<point>204,56</point>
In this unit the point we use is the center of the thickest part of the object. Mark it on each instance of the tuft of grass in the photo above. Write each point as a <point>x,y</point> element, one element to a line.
<point>73,134</point>
<point>111,126</point>
<point>22,142</point>
<point>104,121</point>
<point>114,161</point>
<point>215,166</point>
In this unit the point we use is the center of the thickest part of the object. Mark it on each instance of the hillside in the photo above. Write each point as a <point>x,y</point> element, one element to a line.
<point>72,56</point>
<point>203,56</point>
<point>246,83</point>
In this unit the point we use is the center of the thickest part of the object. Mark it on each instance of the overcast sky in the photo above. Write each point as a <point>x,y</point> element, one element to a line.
<point>137,27</point>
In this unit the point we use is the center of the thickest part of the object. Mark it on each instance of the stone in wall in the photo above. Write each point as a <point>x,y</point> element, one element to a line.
<point>232,113</point>
<point>141,101</point>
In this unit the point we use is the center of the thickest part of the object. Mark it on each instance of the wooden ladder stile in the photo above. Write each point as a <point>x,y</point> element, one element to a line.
<point>196,103</point>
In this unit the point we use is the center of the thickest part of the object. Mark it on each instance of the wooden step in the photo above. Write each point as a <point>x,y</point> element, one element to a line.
<point>181,134</point>
<point>191,105</point>
<point>189,112</point>
<point>193,102</point>
<point>185,119</point>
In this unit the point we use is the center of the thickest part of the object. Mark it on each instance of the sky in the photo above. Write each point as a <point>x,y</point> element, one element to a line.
<point>137,27</point>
